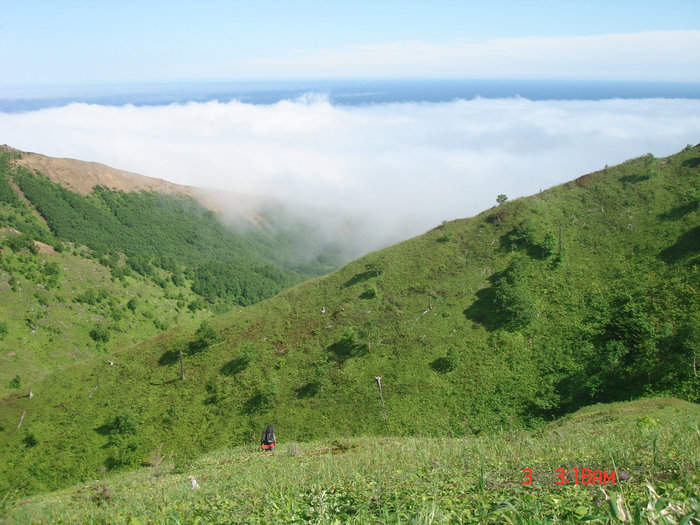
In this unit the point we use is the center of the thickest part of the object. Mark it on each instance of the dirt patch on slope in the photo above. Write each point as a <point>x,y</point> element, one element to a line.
<point>81,177</point>
<point>44,248</point>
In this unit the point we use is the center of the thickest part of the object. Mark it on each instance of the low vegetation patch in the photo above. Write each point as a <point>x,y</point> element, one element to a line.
<point>649,447</point>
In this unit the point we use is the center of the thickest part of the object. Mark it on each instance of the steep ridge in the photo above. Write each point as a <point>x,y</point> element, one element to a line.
<point>83,177</point>
<point>582,293</point>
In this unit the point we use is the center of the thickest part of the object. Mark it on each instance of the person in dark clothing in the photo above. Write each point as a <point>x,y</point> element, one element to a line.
<point>268,440</point>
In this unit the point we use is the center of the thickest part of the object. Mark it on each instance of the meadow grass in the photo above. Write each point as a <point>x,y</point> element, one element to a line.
<point>49,326</point>
<point>651,443</point>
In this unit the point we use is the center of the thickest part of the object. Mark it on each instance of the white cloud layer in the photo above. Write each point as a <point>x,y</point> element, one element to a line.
<point>406,167</point>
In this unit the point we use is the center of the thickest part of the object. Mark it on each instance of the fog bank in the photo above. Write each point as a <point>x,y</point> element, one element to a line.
<point>400,168</point>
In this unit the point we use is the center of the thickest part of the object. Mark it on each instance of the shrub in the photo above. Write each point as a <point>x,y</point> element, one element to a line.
<point>370,293</point>
<point>206,336</point>
<point>100,334</point>
<point>131,305</point>
<point>124,422</point>
<point>549,245</point>
<point>21,242</point>
<point>512,299</point>
<point>446,237</point>
<point>524,233</point>
<point>91,296</point>
<point>51,269</point>
<point>30,440</point>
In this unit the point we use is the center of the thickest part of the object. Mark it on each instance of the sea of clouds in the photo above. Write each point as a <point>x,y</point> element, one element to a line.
<point>403,167</point>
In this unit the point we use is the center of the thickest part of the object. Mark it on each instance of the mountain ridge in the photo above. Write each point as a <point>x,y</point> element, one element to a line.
<point>83,177</point>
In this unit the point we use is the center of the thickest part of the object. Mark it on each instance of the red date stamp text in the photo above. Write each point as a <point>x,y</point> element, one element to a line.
<point>576,476</point>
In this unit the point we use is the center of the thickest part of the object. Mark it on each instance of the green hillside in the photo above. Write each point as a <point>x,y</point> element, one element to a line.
<point>116,268</point>
<point>583,293</point>
<point>58,308</point>
<point>625,462</point>
<point>174,233</point>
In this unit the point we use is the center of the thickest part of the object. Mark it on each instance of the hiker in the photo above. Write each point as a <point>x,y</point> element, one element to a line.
<point>268,439</point>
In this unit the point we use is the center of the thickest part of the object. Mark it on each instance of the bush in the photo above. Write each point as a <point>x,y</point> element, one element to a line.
<point>370,293</point>
<point>91,296</point>
<point>512,298</point>
<point>123,439</point>
<point>446,237</point>
<point>15,382</point>
<point>524,233</point>
<point>30,440</point>
<point>16,243</point>
<point>131,305</point>
<point>51,269</point>
<point>123,423</point>
<point>206,336</point>
<point>125,452</point>
<point>100,334</point>
<point>549,245</point>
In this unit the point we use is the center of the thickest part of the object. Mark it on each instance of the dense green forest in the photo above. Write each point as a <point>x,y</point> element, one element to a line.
<point>171,232</point>
<point>586,292</point>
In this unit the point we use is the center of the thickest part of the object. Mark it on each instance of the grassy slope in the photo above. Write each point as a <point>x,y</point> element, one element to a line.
<point>48,327</point>
<point>416,480</point>
<point>614,320</point>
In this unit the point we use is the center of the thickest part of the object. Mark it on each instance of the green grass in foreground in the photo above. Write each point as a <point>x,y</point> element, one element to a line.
<point>416,480</point>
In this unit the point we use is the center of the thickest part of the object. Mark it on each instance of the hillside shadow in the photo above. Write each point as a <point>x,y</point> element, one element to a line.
<point>235,366</point>
<point>691,163</point>
<point>513,240</point>
<point>360,277</point>
<point>679,211</point>
<point>256,404</point>
<point>686,245</point>
<point>169,357</point>
<point>310,389</point>
<point>633,179</point>
<point>483,310</point>
<point>104,430</point>
<point>442,365</point>
<point>342,350</point>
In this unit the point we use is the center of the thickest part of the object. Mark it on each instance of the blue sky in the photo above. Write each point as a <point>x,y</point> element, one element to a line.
<point>74,42</point>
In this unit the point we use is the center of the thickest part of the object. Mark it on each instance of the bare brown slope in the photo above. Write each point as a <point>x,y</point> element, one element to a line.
<point>81,177</point>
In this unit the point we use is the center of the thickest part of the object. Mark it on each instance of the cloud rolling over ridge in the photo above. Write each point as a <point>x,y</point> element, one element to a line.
<point>403,167</point>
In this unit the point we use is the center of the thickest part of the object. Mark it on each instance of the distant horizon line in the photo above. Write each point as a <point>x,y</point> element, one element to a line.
<point>232,81</point>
